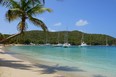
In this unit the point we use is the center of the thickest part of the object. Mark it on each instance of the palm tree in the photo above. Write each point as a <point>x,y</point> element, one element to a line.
<point>24,10</point>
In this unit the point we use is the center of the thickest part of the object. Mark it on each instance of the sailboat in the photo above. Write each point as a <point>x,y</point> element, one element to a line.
<point>66,44</point>
<point>82,41</point>
<point>46,40</point>
<point>107,42</point>
<point>58,44</point>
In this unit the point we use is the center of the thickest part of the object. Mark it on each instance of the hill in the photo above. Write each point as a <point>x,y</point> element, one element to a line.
<point>74,38</point>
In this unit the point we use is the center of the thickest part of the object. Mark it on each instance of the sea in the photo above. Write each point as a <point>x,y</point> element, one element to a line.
<point>74,61</point>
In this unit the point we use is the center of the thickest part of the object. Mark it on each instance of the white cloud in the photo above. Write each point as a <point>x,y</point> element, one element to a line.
<point>51,30</point>
<point>81,23</point>
<point>80,30</point>
<point>58,24</point>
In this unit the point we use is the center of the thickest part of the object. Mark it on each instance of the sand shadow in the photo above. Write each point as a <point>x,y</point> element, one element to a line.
<point>2,53</point>
<point>14,64</point>
<point>7,52</point>
<point>99,76</point>
<point>52,69</point>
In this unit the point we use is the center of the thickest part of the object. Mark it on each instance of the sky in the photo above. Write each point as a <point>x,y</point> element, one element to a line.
<point>89,16</point>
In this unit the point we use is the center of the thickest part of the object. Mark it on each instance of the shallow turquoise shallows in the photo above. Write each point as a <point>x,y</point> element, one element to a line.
<point>95,61</point>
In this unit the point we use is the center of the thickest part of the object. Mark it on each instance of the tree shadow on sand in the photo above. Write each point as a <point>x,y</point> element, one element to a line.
<point>2,53</point>
<point>99,76</point>
<point>14,64</point>
<point>6,52</point>
<point>46,69</point>
<point>52,69</point>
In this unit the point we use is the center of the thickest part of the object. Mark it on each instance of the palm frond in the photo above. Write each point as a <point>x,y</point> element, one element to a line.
<point>42,2</point>
<point>23,4</point>
<point>27,5</point>
<point>38,23</point>
<point>14,4</point>
<point>38,9</point>
<point>9,3</point>
<point>13,14</point>
<point>42,10</point>
<point>34,2</point>
<point>4,2</point>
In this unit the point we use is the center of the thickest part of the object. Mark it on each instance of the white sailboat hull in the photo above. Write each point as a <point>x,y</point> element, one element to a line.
<point>58,45</point>
<point>65,45</point>
<point>83,44</point>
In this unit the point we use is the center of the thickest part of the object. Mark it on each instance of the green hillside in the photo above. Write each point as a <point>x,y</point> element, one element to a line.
<point>74,38</point>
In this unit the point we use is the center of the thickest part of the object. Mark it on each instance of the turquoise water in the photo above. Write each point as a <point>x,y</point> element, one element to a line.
<point>95,61</point>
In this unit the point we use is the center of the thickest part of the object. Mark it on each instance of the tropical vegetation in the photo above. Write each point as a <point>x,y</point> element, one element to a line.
<point>74,38</point>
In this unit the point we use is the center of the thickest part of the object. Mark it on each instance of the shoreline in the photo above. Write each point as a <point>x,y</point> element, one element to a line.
<point>14,67</point>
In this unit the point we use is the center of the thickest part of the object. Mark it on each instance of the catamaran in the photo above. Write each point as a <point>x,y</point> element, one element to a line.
<point>46,40</point>
<point>83,44</point>
<point>82,41</point>
<point>107,42</point>
<point>66,44</point>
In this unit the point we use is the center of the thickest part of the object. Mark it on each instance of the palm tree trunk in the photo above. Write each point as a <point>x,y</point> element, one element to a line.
<point>10,37</point>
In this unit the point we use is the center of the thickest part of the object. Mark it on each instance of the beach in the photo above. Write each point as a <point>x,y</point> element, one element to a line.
<point>13,67</point>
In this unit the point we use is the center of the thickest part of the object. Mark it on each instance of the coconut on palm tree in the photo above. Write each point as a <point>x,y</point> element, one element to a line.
<point>25,10</point>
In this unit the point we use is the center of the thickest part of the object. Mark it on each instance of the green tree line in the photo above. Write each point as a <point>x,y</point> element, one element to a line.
<point>74,38</point>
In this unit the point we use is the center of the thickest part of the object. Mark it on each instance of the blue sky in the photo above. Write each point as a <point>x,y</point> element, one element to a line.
<point>90,16</point>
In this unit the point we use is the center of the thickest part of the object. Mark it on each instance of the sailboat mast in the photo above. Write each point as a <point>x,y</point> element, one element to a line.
<point>82,39</point>
<point>66,37</point>
<point>106,41</point>
<point>58,37</point>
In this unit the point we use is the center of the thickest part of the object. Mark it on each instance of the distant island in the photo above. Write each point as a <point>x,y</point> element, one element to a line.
<point>74,38</point>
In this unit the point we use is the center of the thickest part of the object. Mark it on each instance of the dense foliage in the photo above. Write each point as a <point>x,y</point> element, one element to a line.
<point>74,38</point>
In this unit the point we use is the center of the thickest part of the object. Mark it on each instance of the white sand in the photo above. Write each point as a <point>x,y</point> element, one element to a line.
<point>13,67</point>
